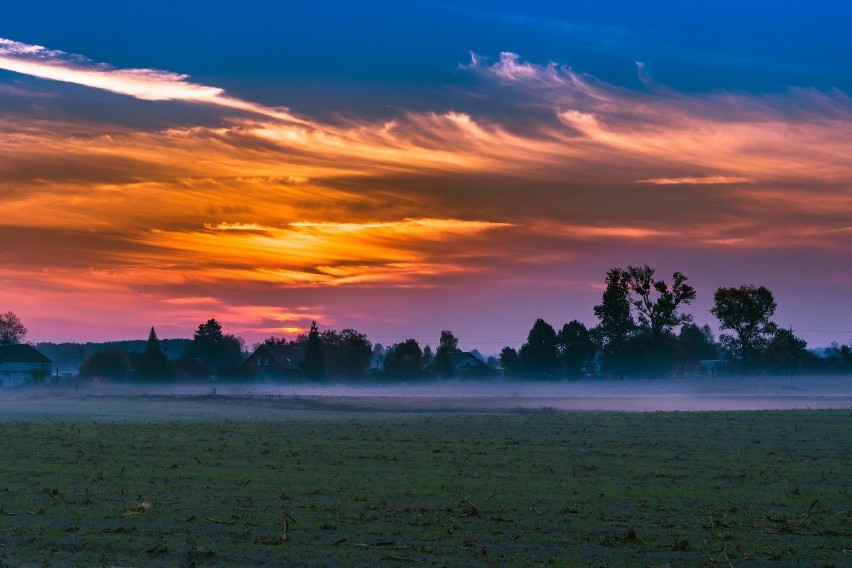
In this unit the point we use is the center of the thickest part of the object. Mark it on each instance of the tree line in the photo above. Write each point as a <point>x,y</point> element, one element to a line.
<point>643,330</point>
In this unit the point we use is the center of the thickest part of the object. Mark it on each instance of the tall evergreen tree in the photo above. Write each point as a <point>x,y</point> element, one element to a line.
<point>152,364</point>
<point>313,365</point>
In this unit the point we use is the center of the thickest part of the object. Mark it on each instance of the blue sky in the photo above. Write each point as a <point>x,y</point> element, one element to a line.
<point>261,46</point>
<point>491,160</point>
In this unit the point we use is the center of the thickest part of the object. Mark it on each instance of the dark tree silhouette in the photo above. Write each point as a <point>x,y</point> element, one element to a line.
<point>223,353</point>
<point>12,330</point>
<point>313,365</point>
<point>428,359</point>
<point>839,358</point>
<point>346,353</point>
<point>510,362</point>
<point>575,346</point>
<point>152,364</point>
<point>616,321</point>
<point>539,356</point>
<point>656,303</point>
<point>404,360</point>
<point>786,353</point>
<point>448,345</point>
<point>657,306</point>
<point>695,344</point>
<point>109,364</point>
<point>647,345</point>
<point>745,311</point>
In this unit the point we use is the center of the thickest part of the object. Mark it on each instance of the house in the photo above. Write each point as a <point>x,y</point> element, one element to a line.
<point>275,361</point>
<point>466,364</point>
<point>22,365</point>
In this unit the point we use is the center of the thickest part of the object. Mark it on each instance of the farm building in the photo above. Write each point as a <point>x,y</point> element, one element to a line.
<point>22,365</point>
<point>466,364</point>
<point>275,361</point>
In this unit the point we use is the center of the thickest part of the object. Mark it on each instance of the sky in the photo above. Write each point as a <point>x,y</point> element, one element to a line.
<point>406,167</point>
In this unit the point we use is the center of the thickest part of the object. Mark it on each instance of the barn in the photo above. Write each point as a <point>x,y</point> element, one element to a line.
<point>22,364</point>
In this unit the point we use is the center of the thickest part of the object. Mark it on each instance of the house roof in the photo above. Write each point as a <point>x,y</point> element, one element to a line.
<point>21,353</point>
<point>288,357</point>
<point>465,359</point>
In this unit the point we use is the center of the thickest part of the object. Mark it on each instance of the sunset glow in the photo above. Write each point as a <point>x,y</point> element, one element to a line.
<point>135,196</point>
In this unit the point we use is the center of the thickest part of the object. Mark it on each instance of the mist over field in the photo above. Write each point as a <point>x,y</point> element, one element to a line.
<point>273,401</point>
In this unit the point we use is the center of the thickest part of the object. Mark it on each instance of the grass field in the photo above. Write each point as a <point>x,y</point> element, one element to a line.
<point>584,489</point>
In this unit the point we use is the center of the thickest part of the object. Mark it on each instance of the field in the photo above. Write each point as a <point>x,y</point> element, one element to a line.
<point>517,489</point>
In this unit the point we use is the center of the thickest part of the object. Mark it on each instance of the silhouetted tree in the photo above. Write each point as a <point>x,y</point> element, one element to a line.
<point>404,360</point>
<point>786,353</point>
<point>12,330</point>
<point>448,345</point>
<point>695,344</point>
<point>657,306</point>
<point>539,356</point>
<point>575,346</point>
<point>656,303</point>
<point>346,353</point>
<point>377,361</point>
<point>428,359</point>
<point>153,364</point>
<point>616,321</point>
<point>223,353</point>
<point>109,364</point>
<point>313,365</point>
<point>510,362</point>
<point>745,311</point>
<point>839,358</point>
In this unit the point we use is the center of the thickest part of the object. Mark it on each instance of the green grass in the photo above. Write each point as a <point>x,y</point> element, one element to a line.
<point>588,489</point>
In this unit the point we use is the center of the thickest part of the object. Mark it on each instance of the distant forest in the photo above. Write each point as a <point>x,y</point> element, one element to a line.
<point>642,331</point>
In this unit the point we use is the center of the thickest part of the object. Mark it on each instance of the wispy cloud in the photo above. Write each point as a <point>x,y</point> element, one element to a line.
<point>696,180</point>
<point>144,84</point>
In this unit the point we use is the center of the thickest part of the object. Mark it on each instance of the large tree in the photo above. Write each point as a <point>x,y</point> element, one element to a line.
<point>746,311</point>
<point>786,353</point>
<point>346,353</point>
<point>658,304</point>
<point>447,345</point>
<point>404,360</point>
<point>12,330</point>
<point>539,356</point>
<point>658,312</point>
<point>575,346</point>
<point>616,320</point>
<point>222,352</point>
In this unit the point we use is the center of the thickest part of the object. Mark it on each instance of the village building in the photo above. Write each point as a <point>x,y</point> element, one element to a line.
<point>275,361</point>
<point>23,364</point>
<point>466,364</point>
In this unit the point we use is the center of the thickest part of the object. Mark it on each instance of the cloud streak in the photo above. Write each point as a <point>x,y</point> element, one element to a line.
<point>143,84</point>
